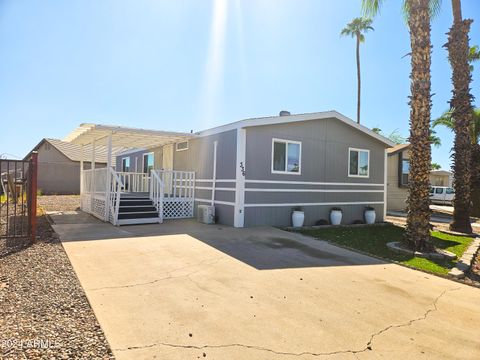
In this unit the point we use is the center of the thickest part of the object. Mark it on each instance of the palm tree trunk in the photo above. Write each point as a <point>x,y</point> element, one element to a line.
<point>461,104</point>
<point>358,79</point>
<point>417,232</point>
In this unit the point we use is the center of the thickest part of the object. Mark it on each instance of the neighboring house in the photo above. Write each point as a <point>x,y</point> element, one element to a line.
<point>441,178</point>
<point>59,166</point>
<point>397,177</point>
<point>257,170</point>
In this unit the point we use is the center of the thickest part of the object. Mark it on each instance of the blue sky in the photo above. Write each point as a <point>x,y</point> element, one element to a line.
<point>188,64</point>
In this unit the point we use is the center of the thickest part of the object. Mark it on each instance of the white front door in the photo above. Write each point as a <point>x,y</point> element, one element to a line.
<point>167,164</point>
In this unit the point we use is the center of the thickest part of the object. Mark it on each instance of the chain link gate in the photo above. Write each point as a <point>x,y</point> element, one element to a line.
<point>18,201</point>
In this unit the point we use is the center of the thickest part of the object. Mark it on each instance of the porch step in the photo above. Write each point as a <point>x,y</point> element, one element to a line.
<point>135,202</point>
<point>138,215</point>
<point>136,208</point>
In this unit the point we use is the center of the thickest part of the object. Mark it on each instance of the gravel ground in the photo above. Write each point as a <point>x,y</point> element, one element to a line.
<point>44,313</point>
<point>59,202</point>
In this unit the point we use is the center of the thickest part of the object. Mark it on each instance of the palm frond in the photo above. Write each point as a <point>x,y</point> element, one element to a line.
<point>371,8</point>
<point>445,119</point>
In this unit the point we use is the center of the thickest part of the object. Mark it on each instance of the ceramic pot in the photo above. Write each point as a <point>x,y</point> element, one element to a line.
<point>370,216</point>
<point>335,217</point>
<point>298,217</point>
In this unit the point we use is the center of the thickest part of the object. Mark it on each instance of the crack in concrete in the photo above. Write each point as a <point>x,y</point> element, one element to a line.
<point>368,346</point>
<point>169,276</point>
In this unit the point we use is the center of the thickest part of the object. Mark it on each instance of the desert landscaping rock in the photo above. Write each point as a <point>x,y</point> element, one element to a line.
<point>44,313</point>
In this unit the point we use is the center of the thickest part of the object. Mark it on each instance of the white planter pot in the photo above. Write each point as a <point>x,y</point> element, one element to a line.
<point>335,217</point>
<point>298,217</point>
<point>370,216</point>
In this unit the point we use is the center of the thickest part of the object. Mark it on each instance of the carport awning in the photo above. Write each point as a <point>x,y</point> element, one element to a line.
<point>124,137</point>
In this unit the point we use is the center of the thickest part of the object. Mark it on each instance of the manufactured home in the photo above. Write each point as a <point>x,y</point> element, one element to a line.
<point>254,171</point>
<point>398,168</point>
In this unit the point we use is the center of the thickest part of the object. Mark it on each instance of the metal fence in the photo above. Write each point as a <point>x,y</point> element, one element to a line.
<point>18,198</point>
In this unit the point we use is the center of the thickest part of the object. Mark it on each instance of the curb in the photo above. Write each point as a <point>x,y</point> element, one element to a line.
<point>463,265</point>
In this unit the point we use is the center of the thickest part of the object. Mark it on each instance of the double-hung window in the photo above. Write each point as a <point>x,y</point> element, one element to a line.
<point>358,162</point>
<point>286,157</point>
<point>405,172</point>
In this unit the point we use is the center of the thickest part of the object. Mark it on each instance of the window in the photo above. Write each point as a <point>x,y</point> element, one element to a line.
<point>126,164</point>
<point>147,163</point>
<point>450,191</point>
<point>358,162</point>
<point>432,190</point>
<point>181,146</point>
<point>439,191</point>
<point>286,157</point>
<point>405,172</point>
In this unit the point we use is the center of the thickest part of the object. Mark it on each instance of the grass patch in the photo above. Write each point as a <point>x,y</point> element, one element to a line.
<point>374,239</point>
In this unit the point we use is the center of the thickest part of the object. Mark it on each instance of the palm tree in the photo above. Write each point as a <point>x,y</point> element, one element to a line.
<point>446,119</point>
<point>418,14</point>
<point>461,105</point>
<point>435,166</point>
<point>357,28</point>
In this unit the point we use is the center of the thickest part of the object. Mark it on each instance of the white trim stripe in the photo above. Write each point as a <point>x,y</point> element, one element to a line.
<point>216,202</point>
<point>211,189</point>
<point>311,183</point>
<point>315,190</point>
<point>316,204</point>
<point>217,180</point>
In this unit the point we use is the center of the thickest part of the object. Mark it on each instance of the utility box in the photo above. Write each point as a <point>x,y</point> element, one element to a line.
<point>206,214</point>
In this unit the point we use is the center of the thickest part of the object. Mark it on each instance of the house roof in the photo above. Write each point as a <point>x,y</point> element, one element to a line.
<point>125,137</point>
<point>397,148</point>
<point>135,138</point>
<point>284,119</point>
<point>440,172</point>
<point>74,152</point>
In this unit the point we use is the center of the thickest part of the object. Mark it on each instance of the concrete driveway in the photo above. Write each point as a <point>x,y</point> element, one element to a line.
<point>182,290</point>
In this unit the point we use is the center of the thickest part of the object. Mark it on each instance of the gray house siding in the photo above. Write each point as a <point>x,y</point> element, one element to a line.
<point>199,158</point>
<point>324,159</point>
<point>323,181</point>
<point>136,159</point>
<point>57,174</point>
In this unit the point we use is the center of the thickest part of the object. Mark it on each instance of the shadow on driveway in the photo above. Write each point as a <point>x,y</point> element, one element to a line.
<point>260,247</point>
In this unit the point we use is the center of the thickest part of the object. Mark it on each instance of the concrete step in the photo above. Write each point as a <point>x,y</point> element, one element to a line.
<point>153,220</point>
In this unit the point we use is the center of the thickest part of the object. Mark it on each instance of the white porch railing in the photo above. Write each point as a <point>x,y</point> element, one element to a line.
<point>157,190</point>
<point>179,193</point>
<point>116,189</point>
<point>93,192</point>
<point>172,192</point>
<point>134,182</point>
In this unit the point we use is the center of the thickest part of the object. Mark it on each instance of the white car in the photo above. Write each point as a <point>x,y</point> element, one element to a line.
<point>441,195</point>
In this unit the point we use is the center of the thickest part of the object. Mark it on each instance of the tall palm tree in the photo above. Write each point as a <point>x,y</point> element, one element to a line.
<point>418,14</point>
<point>446,119</point>
<point>357,28</point>
<point>461,105</point>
